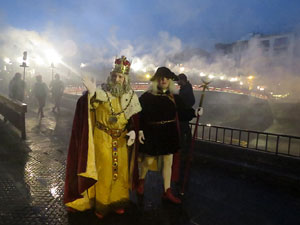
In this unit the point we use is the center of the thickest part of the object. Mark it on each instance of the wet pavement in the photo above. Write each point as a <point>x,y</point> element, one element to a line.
<point>32,179</point>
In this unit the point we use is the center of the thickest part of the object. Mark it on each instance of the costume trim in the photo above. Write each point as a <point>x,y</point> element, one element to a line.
<point>129,109</point>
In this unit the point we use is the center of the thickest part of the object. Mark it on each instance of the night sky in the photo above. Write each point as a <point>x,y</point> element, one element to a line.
<point>93,32</point>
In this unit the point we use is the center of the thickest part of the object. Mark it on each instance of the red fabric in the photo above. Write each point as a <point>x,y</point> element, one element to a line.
<point>77,153</point>
<point>176,167</point>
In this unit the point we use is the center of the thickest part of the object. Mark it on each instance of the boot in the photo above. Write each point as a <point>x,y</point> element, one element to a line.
<point>169,196</point>
<point>140,187</point>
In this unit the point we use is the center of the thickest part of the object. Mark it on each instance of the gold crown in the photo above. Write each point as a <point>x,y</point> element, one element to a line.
<point>122,65</point>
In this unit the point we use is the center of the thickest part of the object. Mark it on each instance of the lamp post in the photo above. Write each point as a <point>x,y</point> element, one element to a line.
<point>52,68</point>
<point>24,65</point>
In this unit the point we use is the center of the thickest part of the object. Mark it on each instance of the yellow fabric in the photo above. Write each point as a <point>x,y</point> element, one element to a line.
<point>106,191</point>
<point>91,170</point>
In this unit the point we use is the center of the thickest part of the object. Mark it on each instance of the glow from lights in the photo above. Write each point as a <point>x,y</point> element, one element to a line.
<point>144,70</point>
<point>38,60</point>
<point>250,77</point>
<point>233,79</point>
<point>7,60</point>
<point>181,69</point>
<point>210,76</point>
<point>241,83</point>
<point>54,191</point>
<point>222,77</point>
<point>147,76</point>
<point>82,65</point>
<point>19,59</point>
<point>52,56</point>
<point>137,65</point>
<point>202,74</point>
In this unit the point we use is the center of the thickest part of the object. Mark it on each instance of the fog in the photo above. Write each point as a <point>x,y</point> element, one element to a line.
<point>74,59</point>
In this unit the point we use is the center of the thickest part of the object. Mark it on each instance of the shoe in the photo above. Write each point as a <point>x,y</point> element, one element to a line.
<point>99,215</point>
<point>120,211</point>
<point>169,196</point>
<point>140,187</point>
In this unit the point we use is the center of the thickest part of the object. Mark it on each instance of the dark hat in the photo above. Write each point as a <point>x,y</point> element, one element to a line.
<point>182,76</point>
<point>164,72</point>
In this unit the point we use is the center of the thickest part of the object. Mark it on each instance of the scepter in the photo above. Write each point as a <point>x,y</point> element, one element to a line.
<point>189,160</point>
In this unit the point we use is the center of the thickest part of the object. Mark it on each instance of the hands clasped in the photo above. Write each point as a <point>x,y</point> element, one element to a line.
<point>89,84</point>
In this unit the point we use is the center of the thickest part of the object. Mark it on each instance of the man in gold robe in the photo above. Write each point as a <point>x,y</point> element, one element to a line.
<point>104,181</point>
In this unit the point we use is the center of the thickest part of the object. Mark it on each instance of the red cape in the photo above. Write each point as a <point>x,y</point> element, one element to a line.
<point>77,153</point>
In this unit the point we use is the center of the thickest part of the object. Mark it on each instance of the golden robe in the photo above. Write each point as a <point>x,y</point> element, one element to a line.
<point>109,193</point>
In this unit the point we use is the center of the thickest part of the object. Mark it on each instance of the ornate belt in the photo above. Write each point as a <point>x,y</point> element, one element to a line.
<point>114,133</point>
<point>161,122</point>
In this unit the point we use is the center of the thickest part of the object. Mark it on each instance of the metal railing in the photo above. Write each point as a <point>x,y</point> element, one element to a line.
<point>278,144</point>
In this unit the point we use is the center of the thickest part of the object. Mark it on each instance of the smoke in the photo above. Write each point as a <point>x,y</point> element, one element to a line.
<point>278,73</point>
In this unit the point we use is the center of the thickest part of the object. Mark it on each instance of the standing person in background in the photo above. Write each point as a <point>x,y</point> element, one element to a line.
<point>40,91</point>
<point>187,95</point>
<point>57,88</point>
<point>17,88</point>
<point>159,131</point>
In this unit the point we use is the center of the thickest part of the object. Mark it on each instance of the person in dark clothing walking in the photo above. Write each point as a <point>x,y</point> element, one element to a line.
<point>17,88</point>
<point>57,89</point>
<point>40,91</point>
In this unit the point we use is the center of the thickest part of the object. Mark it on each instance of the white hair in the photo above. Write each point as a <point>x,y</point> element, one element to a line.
<point>153,88</point>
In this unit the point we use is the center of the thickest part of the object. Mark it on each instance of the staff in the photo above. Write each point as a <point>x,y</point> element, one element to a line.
<point>189,160</point>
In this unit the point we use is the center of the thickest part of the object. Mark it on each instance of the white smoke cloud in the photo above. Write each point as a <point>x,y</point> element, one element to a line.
<point>146,54</point>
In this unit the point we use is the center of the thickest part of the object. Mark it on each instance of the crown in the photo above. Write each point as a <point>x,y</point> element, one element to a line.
<point>122,65</point>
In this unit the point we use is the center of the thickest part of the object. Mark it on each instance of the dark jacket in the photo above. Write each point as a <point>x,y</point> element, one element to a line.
<point>187,94</point>
<point>159,122</point>
<point>17,89</point>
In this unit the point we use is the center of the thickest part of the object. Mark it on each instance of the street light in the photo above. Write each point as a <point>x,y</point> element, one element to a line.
<point>24,63</point>
<point>52,67</point>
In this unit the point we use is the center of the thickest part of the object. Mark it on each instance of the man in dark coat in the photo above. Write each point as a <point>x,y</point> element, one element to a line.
<point>17,88</point>
<point>187,95</point>
<point>158,135</point>
<point>40,91</point>
<point>57,89</point>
